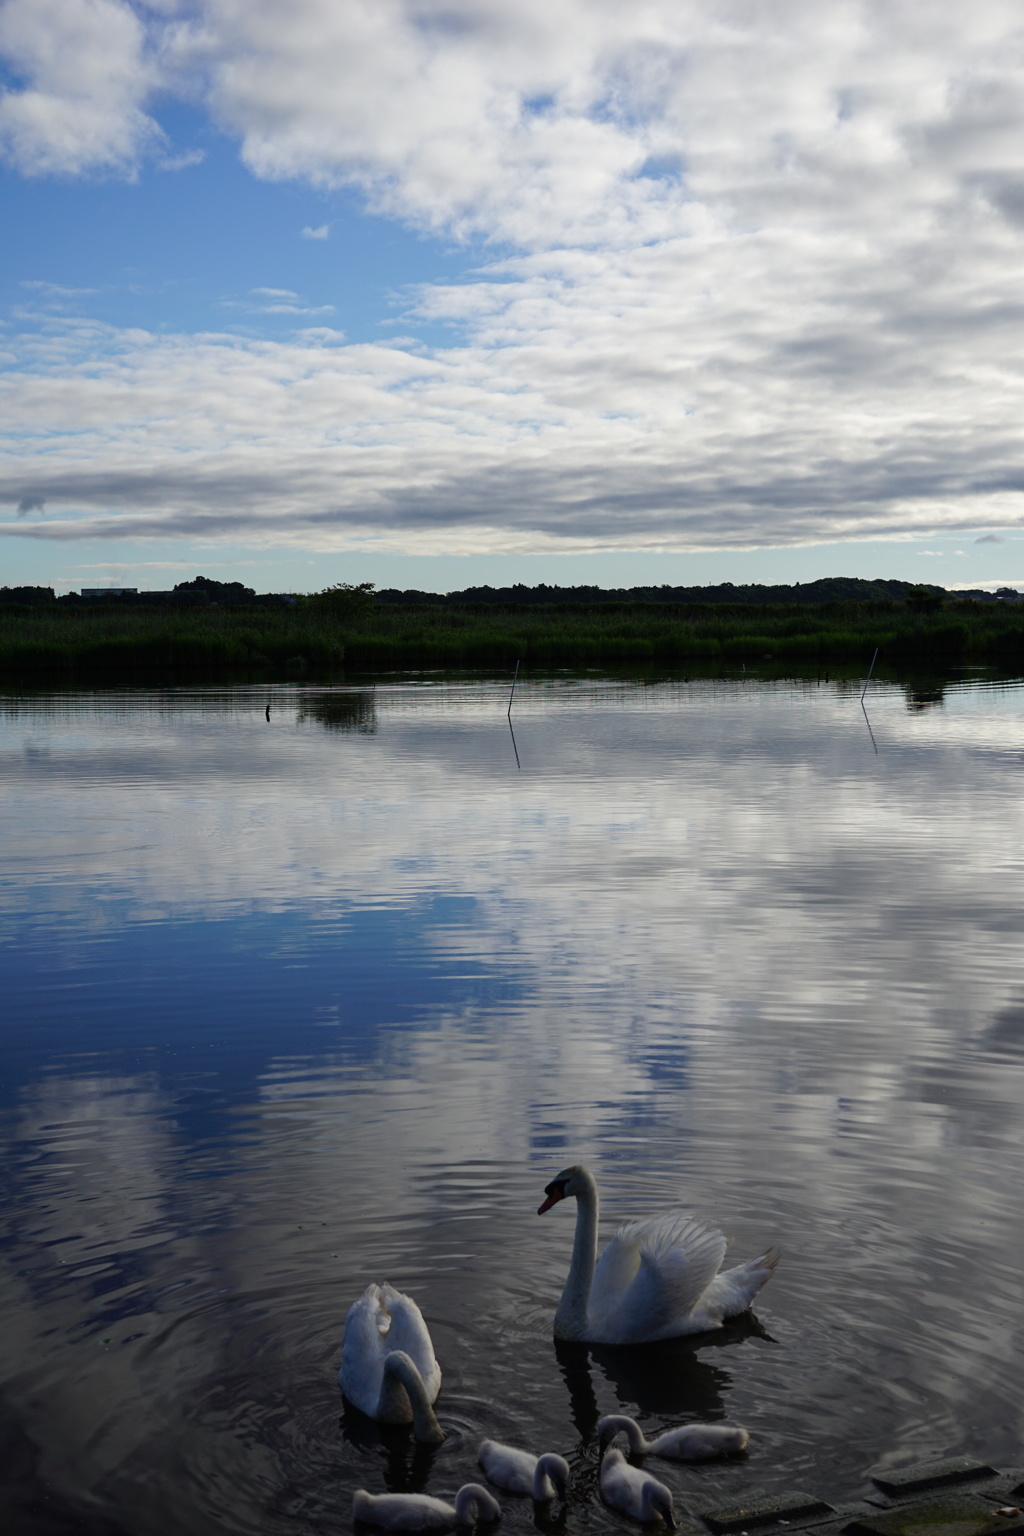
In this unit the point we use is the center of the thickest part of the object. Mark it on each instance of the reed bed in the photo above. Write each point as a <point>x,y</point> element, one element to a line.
<point>139,643</point>
<point>104,639</point>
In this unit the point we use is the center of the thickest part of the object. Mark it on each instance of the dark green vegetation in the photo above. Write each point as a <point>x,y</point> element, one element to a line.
<point>104,640</point>
<point>350,627</point>
<point>832,589</point>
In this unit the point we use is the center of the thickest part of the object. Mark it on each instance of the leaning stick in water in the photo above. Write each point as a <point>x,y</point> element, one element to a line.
<point>866,680</point>
<point>513,693</point>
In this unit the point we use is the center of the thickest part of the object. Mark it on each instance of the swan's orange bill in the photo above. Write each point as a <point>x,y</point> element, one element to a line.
<point>549,1202</point>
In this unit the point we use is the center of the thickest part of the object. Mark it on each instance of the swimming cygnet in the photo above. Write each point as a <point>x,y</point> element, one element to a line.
<point>420,1512</point>
<point>518,1472</point>
<point>690,1442</point>
<point>633,1492</point>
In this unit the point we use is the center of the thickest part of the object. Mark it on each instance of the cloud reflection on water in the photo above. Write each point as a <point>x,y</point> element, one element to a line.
<point>706,940</point>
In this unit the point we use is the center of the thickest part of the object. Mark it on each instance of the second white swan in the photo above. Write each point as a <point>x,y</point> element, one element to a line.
<point>657,1279</point>
<point>388,1367</point>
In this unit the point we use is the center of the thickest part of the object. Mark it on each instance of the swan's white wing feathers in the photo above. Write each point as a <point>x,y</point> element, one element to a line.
<point>363,1347</point>
<point>409,1332</point>
<point>660,1269</point>
<point>615,1272</point>
<point>680,1255</point>
<point>735,1289</point>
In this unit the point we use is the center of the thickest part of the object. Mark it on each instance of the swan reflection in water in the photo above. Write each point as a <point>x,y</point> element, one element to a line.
<point>407,1464</point>
<point>663,1378</point>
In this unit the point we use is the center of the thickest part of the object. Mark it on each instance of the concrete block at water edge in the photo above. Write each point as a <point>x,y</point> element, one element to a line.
<point>926,1475</point>
<point>771,1513</point>
<point>951,1514</point>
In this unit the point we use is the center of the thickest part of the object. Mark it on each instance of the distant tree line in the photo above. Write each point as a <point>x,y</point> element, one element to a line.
<point>207,629</point>
<point>832,589</point>
<point>346,599</point>
<point>200,592</point>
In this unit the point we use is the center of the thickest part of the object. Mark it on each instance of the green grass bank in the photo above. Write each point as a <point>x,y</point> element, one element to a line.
<point>102,641</point>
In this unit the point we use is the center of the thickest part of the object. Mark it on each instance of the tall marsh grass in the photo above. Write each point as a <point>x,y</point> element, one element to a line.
<point>85,642</point>
<point>78,642</point>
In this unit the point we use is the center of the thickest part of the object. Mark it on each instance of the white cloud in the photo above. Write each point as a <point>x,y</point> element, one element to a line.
<point>277,301</point>
<point>322,232</point>
<point>767,286</point>
<point>184,161</point>
<point>990,584</point>
<point>555,425</point>
<point>53,290</point>
<point>534,121</point>
<point>121,567</point>
<point>544,121</point>
<point>86,78</point>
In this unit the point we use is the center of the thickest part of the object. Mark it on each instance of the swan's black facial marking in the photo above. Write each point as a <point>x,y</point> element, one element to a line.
<point>555,1191</point>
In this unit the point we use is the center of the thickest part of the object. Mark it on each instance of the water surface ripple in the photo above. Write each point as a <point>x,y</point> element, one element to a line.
<point>294,1005</point>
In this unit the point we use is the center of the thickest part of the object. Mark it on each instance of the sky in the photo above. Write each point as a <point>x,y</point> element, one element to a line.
<point>436,294</point>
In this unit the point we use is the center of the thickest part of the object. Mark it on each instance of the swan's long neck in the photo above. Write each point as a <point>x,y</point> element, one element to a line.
<point>657,1500</point>
<point>473,1503</point>
<point>550,1476</point>
<point>400,1373</point>
<point>619,1424</point>
<point>571,1316</point>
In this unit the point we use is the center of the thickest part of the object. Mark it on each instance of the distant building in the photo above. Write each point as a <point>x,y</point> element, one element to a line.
<point>108,591</point>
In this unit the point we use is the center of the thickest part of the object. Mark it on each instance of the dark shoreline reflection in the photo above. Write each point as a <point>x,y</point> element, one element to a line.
<point>923,695</point>
<point>340,709</point>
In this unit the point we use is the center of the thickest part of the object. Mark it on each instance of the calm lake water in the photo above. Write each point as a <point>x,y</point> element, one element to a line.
<point>296,1004</point>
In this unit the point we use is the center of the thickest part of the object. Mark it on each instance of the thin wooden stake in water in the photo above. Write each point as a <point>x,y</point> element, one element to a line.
<point>866,680</point>
<point>513,693</point>
<point>867,722</point>
<point>515,749</point>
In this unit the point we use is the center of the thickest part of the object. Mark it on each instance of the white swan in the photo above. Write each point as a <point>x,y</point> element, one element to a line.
<point>420,1512</point>
<point>633,1492</point>
<point>519,1472</point>
<point>690,1442</point>
<point>657,1278</point>
<point>388,1369</point>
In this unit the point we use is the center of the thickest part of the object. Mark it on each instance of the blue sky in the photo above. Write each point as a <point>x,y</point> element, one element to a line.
<point>195,248</point>
<point>436,295</point>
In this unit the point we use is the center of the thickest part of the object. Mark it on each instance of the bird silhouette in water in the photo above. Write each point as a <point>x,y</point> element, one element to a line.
<point>268,711</point>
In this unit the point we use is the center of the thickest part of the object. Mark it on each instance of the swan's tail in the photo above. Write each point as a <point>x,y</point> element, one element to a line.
<point>736,1288</point>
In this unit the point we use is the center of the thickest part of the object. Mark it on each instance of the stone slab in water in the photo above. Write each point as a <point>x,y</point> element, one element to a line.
<point>959,1514</point>
<point>933,1474</point>
<point>783,1509</point>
